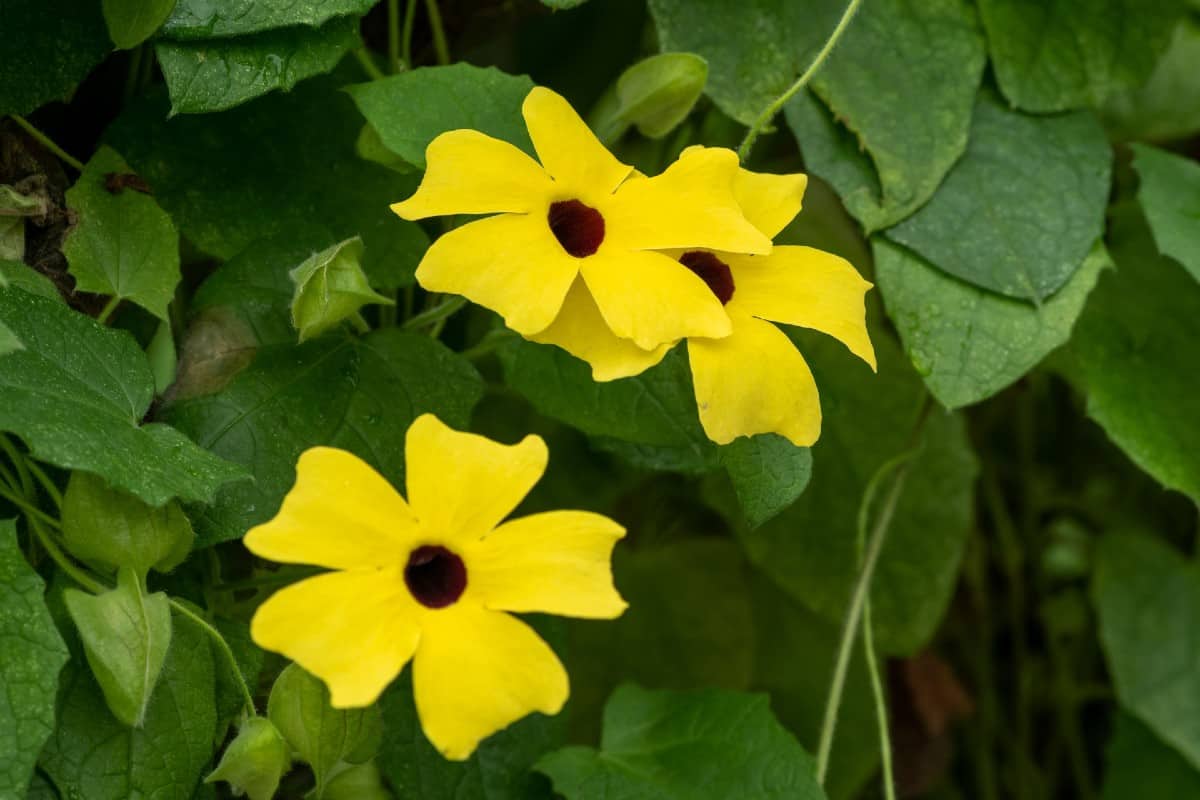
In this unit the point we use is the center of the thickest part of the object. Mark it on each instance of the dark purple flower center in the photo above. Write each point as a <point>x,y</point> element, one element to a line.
<point>712,270</point>
<point>435,576</point>
<point>578,228</point>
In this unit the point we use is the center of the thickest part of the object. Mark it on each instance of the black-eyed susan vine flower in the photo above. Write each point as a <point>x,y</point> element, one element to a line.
<point>579,224</point>
<point>433,580</point>
<point>754,380</point>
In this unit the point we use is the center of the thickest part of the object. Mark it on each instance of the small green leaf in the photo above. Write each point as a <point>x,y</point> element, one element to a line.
<point>114,529</point>
<point>1073,53</point>
<point>1170,196</point>
<point>768,473</point>
<point>209,19</point>
<point>969,343</point>
<point>655,94</point>
<point>450,97</point>
<point>75,416</point>
<point>1023,207</point>
<point>31,655</point>
<point>216,74</point>
<point>321,735</point>
<point>125,633</point>
<point>1148,600</point>
<point>254,761</point>
<point>1141,765</point>
<point>1167,106</point>
<point>131,22</point>
<point>330,287</point>
<point>124,244</point>
<point>45,53</point>
<point>703,745</point>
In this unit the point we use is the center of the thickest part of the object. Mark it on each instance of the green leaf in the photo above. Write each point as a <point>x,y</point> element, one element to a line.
<point>360,395</point>
<point>1022,209</point>
<point>76,416</point>
<point>254,761</point>
<point>93,755</point>
<point>1170,196</point>
<point>926,60</point>
<point>131,22</point>
<point>14,207</point>
<point>1131,346</point>
<point>44,54</point>
<point>125,633</point>
<point>686,746</point>
<point>968,343</point>
<point>208,19</point>
<point>330,287</point>
<point>124,244</point>
<point>31,655</point>
<point>768,473</point>
<point>321,735</point>
<point>810,549</point>
<point>1072,53</point>
<point>1148,600</point>
<point>656,94</point>
<point>499,769</point>
<point>216,74</point>
<point>14,273</point>
<point>450,97</point>
<point>1167,106</point>
<point>650,418</point>
<point>275,166</point>
<point>109,527</point>
<point>1141,765</point>
<point>358,782</point>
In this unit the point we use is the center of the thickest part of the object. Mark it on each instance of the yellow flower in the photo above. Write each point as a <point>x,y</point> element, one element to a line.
<point>576,223</point>
<point>754,380</point>
<point>431,580</point>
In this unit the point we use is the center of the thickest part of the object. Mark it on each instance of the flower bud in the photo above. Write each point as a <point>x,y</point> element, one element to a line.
<point>331,287</point>
<point>255,760</point>
<point>655,94</point>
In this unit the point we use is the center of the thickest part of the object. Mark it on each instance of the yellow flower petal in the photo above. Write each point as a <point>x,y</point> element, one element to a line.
<point>769,201</point>
<point>754,381</point>
<point>340,514</point>
<point>806,287</point>
<point>468,172</point>
<point>581,331</point>
<point>558,562</point>
<point>511,264</point>
<point>478,671</point>
<point>461,485</point>
<point>652,299</point>
<point>566,146</point>
<point>690,205</point>
<point>355,630</point>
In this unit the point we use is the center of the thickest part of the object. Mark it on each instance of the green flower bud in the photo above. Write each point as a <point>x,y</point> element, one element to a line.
<point>655,94</point>
<point>255,761</point>
<point>331,287</point>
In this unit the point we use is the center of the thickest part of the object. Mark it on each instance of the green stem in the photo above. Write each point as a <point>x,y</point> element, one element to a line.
<point>881,711</point>
<point>108,309</point>
<point>48,143</point>
<point>51,488</point>
<point>439,32</point>
<point>223,646</point>
<point>73,571</point>
<point>406,37</point>
<point>393,13</point>
<point>132,79</point>
<point>770,111</point>
<point>18,462</point>
<point>368,65</point>
<point>31,511</point>
<point>489,343</point>
<point>436,314</point>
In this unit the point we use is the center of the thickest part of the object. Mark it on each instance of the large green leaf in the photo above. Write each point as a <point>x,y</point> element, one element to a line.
<point>969,343</point>
<point>1148,600</point>
<point>357,394</point>
<point>456,96</point>
<point>77,393</point>
<point>31,655</point>
<point>1022,209</point>
<point>215,74</point>
<point>901,85</point>
<point>131,22</point>
<point>1141,765</point>
<point>207,19</point>
<point>650,418</point>
<point>1170,196</point>
<point>1053,55</point>
<point>1132,347</point>
<point>1167,106</point>
<point>278,165</point>
<point>44,53</point>
<point>124,244</point>
<point>810,549</point>
<point>93,755</point>
<point>702,745</point>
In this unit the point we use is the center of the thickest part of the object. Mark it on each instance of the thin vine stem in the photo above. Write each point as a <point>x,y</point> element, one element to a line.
<point>223,646</point>
<point>406,37</point>
<point>108,309</point>
<point>369,66</point>
<point>440,46</point>
<point>436,314</point>
<point>47,142</point>
<point>48,485</point>
<point>393,14</point>
<point>770,111</point>
<point>877,693</point>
